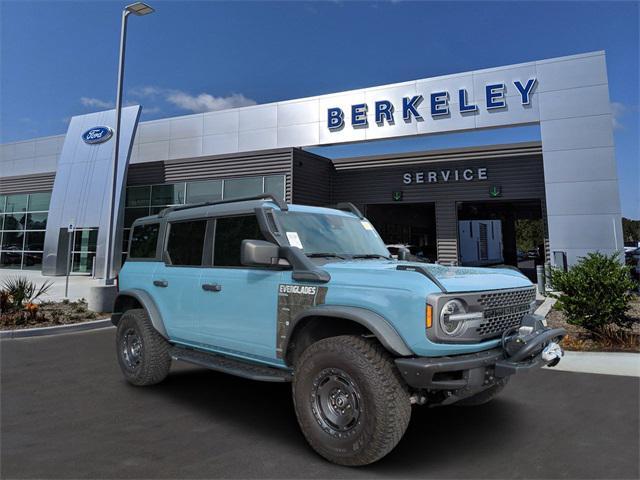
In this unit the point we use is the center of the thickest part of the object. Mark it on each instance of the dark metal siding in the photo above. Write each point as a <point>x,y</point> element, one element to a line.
<point>312,178</point>
<point>269,162</point>
<point>42,182</point>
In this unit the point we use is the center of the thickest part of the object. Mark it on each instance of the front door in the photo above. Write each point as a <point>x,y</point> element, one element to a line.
<point>238,304</point>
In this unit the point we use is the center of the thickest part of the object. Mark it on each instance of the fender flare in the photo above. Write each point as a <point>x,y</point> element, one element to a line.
<point>147,303</point>
<point>386,334</point>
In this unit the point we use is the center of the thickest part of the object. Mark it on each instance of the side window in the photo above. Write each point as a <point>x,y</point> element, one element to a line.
<point>144,240</point>
<point>185,244</point>
<point>230,232</point>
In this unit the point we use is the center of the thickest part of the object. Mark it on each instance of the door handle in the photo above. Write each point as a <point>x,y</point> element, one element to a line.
<point>211,287</point>
<point>161,283</point>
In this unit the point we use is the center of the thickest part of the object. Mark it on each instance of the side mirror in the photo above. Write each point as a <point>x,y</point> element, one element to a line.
<point>403,253</point>
<point>259,253</point>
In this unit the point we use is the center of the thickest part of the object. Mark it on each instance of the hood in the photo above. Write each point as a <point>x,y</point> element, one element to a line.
<point>453,279</point>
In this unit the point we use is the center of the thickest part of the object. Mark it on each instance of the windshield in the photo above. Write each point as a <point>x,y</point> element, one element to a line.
<point>332,235</point>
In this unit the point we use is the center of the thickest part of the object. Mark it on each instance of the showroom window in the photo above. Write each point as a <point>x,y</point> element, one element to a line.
<point>150,199</point>
<point>23,222</point>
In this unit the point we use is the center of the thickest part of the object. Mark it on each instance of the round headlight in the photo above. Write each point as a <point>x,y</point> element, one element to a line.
<point>452,326</point>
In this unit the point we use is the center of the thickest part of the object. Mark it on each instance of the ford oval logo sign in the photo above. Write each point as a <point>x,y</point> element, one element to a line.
<point>97,135</point>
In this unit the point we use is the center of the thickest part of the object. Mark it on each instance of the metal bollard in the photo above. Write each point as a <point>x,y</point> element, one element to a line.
<point>547,276</point>
<point>540,277</point>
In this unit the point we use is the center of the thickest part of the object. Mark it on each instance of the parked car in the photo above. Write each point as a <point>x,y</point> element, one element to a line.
<point>632,259</point>
<point>290,293</point>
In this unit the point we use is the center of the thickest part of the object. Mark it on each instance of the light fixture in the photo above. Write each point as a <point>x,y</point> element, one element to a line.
<point>139,8</point>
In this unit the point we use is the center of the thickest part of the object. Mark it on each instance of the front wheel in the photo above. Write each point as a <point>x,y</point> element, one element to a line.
<point>350,402</point>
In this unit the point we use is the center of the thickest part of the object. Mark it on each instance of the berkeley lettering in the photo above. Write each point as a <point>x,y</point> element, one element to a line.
<point>440,105</point>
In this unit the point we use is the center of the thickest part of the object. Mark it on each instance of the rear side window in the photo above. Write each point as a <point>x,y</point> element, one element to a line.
<point>186,242</point>
<point>144,240</point>
<point>230,232</point>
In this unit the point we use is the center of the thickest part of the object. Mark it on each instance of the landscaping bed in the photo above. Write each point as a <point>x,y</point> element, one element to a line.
<point>581,339</point>
<point>49,314</point>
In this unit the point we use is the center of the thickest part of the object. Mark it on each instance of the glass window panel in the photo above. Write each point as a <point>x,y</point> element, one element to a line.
<point>230,232</point>
<point>3,200</point>
<point>275,185</point>
<point>37,221</point>
<point>186,242</point>
<point>85,240</point>
<point>14,221</point>
<point>16,203</point>
<point>138,196</point>
<point>131,214</point>
<point>10,259</point>
<point>1,221</point>
<point>12,240</point>
<point>204,191</point>
<point>155,210</point>
<point>167,194</point>
<point>83,262</point>
<point>34,241</point>
<point>242,187</point>
<point>39,201</point>
<point>32,261</point>
<point>144,241</point>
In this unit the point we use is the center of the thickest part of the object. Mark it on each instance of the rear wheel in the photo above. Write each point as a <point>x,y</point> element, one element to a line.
<point>143,354</point>
<point>350,402</point>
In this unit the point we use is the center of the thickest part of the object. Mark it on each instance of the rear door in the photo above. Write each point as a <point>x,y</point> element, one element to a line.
<point>239,304</point>
<point>176,281</point>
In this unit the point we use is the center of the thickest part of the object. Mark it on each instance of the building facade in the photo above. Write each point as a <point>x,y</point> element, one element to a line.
<point>553,200</point>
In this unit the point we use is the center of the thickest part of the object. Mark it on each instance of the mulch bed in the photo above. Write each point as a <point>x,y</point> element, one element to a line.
<point>580,339</point>
<point>50,314</point>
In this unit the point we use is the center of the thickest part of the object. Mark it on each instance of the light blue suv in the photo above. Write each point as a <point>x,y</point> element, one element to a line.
<point>309,295</point>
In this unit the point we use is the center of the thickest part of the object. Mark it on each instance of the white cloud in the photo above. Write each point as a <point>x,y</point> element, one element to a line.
<point>617,111</point>
<point>95,103</point>
<point>205,102</point>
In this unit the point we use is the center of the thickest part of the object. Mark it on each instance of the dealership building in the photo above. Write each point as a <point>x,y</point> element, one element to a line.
<point>522,204</point>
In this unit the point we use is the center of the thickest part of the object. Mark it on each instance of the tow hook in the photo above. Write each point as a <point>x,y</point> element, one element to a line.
<point>552,354</point>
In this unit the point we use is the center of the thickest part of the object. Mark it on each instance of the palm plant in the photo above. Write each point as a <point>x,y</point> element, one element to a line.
<point>20,291</point>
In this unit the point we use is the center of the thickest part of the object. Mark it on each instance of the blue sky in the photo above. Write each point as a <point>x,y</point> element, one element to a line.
<point>58,59</point>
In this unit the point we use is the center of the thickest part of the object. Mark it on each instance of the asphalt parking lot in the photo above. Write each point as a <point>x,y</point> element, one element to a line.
<point>68,413</point>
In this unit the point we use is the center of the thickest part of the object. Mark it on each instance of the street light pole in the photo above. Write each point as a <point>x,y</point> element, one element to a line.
<point>139,9</point>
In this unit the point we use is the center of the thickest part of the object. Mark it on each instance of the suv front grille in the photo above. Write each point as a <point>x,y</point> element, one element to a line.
<point>504,310</point>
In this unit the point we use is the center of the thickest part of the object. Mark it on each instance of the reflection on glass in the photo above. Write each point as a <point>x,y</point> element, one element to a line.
<point>37,221</point>
<point>16,203</point>
<point>85,240</point>
<point>39,201</point>
<point>3,200</point>
<point>210,191</point>
<point>274,185</point>
<point>138,196</point>
<point>10,259</point>
<point>242,187</point>
<point>34,241</point>
<point>167,194</point>
<point>131,214</point>
<point>32,261</point>
<point>82,262</point>
<point>14,221</point>
<point>12,240</point>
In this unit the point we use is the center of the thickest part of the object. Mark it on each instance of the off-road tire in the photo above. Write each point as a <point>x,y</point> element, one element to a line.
<point>154,360</point>
<point>484,396</point>
<point>383,402</point>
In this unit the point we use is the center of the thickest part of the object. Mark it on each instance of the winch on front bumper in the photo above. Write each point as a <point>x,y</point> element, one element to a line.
<point>532,345</point>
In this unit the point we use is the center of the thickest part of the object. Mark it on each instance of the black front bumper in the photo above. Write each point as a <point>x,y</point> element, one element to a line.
<point>476,371</point>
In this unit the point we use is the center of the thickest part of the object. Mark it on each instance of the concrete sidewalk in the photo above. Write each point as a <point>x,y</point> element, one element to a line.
<point>607,363</point>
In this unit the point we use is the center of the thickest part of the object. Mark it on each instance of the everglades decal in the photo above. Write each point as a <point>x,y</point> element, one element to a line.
<point>293,300</point>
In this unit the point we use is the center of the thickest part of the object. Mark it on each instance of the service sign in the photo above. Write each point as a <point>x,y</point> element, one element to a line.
<point>97,135</point>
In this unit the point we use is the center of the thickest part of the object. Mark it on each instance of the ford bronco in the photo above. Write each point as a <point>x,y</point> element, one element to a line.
<point>308,295</point>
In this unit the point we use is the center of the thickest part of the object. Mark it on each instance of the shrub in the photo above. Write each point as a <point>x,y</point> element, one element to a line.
<point>18,292</point>
<point>595,293</point>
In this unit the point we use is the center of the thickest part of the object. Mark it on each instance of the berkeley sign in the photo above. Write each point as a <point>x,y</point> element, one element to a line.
<point>384,110</point>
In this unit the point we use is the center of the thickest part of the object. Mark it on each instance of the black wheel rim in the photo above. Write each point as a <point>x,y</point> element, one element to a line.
<point>336,402</point>
<point>131,349</point>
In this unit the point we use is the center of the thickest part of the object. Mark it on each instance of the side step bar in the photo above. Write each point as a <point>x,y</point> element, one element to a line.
<point>231,366</point>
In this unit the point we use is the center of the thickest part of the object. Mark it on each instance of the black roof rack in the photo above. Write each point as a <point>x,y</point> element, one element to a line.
<point>264,196</point>
<point>349,207</point>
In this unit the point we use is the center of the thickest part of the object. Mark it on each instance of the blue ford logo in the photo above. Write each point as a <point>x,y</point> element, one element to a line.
<point>97,135</point>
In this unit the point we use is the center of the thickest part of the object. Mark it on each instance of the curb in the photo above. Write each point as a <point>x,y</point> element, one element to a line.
<point>544,309</point>
<point>56,330</point>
